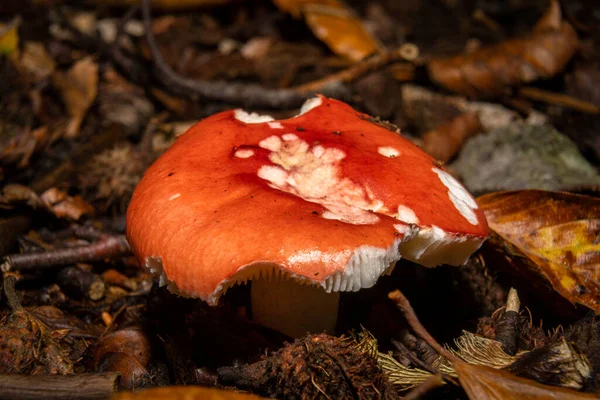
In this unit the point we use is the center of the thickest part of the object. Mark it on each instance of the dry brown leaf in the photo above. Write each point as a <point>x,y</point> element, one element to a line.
<point>78,88</point>
<point>489,71</point>
<point>445,141</point>
<point>36,61</point>
<point>164,4</point>
<point>63,205</point>
<point>185,392</point>
<point>559,232</point>
<point>485,383</point>
<point>336,24</point>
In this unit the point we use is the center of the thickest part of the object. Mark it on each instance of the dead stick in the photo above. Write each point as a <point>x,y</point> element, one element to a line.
<point>250,95</point>
<point>107,247</point>
<point>58,387</point>
<point>376,62</point>
<point>12,298</point>
<point>559,99</point>
<point>402,303</point>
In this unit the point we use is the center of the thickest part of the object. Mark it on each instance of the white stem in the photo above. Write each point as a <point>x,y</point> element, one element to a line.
<point>293,309</point>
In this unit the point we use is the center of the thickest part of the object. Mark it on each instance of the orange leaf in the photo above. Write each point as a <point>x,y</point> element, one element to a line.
<point>489,71</point>
<point>336,24</point>
<point>484,383</point>
<point>559,232</point>
<point>185,392</point>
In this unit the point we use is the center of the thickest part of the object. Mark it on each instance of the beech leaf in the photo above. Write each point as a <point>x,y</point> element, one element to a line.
<point>490,70</point>
<point>485,383</point>
<point>559,232</point>
<point>336,24</point>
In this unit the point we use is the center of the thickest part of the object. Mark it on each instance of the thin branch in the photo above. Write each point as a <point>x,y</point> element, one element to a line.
<point>106,248</point>
<point>249,95</point>
<point>402,303</point>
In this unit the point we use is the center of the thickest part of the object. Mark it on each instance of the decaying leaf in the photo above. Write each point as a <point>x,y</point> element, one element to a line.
<point>63,205</point>
<point>334,23</point>
<point>185,392</point>
<point>559,232</point>
<point>489,71</point>
<point>126,351</point>
<point>485,383</point>
<point>164,4</point>
<point>78,88</point>
<point>443,142</point>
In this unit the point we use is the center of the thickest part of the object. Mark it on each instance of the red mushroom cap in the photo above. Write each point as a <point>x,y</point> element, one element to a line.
<point>329,197</point>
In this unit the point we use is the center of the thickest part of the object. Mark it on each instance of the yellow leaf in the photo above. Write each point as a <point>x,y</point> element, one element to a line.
<point>559,232</point>
<point>9,36</point>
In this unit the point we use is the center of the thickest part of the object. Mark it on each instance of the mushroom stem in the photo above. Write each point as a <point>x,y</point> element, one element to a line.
<point>293,308</point>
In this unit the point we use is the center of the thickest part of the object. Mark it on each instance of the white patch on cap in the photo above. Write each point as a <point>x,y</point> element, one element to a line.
<point>407,215</point>
<point>462,200</point>
<point>175,196</point>
<point>388,152</point>
<point>275,175</point>
<point>275,125</point>
<point>251,118</point>
<point>310,104</point>
<point>314,174</point>
<point>272,143</point>
<point>244,153</point>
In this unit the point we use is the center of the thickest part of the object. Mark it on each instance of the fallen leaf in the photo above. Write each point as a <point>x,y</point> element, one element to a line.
<point>63,205</point>
<point>164,4</point>
<point>485,383</point>
<point>336,24</point>
<point>36,61</point>
<point>490,70</point>
<point>443,142</point>
<point>78,88</point>
<point>185,392</point>
<point>558,232</point>
<point>9,36</point>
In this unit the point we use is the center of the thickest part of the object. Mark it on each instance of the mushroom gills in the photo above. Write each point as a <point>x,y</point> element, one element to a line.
<point>293,307</point>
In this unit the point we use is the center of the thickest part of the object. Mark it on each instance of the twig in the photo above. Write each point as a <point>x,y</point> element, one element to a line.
<point>107,247</point>
<point>559,100</point>
<point>12,298</point>
<point>352,73</point>
<point>249,95</point>
<point>58,387</point>
<point>402,303</point>
<point>413,357</point>
<point>420,391</point>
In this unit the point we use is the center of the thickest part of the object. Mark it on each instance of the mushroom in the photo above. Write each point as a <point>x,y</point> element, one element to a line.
<point>305,208</point>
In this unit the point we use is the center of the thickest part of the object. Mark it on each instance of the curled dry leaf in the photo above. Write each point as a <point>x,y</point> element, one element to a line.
<point>336,24</point>
<point>78,88</point>
<point>185,392</point>
<point>558,232</point>
<point>485,383</point>
<point>126,351</point>
<point>490,70</point>
<point>63,205</point>
<point>445,141</point>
